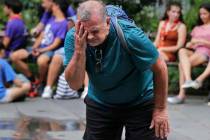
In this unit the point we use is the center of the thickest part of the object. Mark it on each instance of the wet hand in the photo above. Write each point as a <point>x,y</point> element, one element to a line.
<point>160,123</point>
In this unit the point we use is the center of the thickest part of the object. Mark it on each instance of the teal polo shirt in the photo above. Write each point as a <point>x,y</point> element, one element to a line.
<point>125,78</point>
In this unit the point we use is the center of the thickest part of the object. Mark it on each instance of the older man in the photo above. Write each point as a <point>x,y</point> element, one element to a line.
<point>121,92</point>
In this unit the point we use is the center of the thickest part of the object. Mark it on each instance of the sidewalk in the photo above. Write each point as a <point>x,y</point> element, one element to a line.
<point>65,120</point>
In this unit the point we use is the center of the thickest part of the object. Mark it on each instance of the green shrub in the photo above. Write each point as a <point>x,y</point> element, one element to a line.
<point>191,16</point>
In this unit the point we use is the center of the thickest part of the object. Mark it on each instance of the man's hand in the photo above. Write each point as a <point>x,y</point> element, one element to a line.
<point>80,37</point>
<point>198,42</point>
<point>160,123</point>
<point>189,45</point>
<point>35,52</point>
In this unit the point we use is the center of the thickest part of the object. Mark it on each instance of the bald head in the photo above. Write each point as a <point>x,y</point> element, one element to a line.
<point>91,8</point>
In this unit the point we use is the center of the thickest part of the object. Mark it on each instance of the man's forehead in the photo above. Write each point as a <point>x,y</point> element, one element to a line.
<point>92,24</point>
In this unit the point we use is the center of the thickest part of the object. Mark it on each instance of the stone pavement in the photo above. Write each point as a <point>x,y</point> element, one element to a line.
<point>39,119</point>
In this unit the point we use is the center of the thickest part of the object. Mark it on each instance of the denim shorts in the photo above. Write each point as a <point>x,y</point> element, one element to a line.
<point>48,53</point>
<point>6,97</point>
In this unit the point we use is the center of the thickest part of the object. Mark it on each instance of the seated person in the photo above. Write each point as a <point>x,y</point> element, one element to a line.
<point>20,85</point>
<point>70,15</point>
<point>171,34</point>
<point>55,67</point>
<point>54,70</point>
<point>43,49</point>
<point>14,37</point>
<point>197,52</point>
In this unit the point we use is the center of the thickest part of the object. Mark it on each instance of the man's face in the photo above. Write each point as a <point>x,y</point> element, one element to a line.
<point>6,10</point>
<point>97,29</point>
<point>47,4</point>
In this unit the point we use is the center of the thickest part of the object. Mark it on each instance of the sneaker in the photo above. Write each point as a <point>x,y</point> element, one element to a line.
<point>84,93</point>
<point>175,100</point>
<point>32,94</point>
<point>196,84</point>
<point>33,91</point>
<point>192,84</point>
<point>47,92</point>
<point>187,84</point>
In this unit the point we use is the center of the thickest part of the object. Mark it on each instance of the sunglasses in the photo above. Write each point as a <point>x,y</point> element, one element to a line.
<point>98,57</point>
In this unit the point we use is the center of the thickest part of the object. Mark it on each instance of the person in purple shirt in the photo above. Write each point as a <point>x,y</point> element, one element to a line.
<point>46,4</point>
<point>48,41</point>
<point>14,37</point>
<point>20,84</point>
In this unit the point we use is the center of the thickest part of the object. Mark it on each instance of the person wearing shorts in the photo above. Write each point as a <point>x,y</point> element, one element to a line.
<point>196,52</point>
<point>49,40</point>
<point>19,84</point>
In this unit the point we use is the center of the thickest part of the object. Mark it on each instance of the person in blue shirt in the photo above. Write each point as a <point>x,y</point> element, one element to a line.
<point>125,89</point>
<point>20,85</point>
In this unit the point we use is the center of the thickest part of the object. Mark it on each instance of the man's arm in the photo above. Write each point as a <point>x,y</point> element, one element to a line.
<point>160,114</point>
<point>38,41</point>
<point>38,29</point>
<point>75,70</point>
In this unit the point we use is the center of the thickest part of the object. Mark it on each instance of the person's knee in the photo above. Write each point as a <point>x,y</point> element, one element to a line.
<point>42,62</point>
<point>14,56</point>
<point>182,51</point>
<point>56,60</point>
<point>26,87</point>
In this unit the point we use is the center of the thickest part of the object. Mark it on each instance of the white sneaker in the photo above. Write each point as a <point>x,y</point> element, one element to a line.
<point>47,92</point>
<point>196,84</point>
<point>187,84</point>
<point>192,84</point>
<point>84,93</point>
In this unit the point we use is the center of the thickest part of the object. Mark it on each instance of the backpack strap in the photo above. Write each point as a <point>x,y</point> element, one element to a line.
<point>120,34</point>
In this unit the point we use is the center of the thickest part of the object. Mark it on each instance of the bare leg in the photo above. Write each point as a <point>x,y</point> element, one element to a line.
<point>164,56</point>
<point>205,74</point>
<point>19,91</point>
<point>54,69</point>
<point>17,59</point>
<point>184,55</point>
<point>43,63</point>
<point>181,94</point>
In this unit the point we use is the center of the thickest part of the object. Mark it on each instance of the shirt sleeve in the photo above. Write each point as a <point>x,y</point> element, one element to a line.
<point>10,30</point>
<point>61,33</point>
<point>69,46</point>
<point>8,72</point>
<point>45,18</point>
<point>143,52</point>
